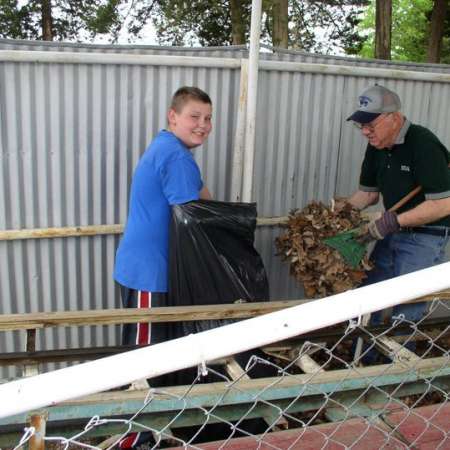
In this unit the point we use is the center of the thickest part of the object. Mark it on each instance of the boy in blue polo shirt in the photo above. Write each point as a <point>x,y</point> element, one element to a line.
<point>166,175</point>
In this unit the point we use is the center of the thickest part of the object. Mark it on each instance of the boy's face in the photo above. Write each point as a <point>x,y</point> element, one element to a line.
<point>192,124</point>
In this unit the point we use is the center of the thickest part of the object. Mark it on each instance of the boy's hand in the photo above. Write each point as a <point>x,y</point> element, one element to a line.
<point>379,228</point>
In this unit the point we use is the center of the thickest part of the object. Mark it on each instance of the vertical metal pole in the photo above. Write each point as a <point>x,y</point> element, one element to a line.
<point>239,137</point>
<point>38,422</point>
<point>249,154</point>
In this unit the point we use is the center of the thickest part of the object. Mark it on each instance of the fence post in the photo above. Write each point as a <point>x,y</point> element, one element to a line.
<point>38,421</point>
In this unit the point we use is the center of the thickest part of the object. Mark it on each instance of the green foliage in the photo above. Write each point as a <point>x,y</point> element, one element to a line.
<point>18,22</point>
<point>104,18</point>
<point>204,22</point>
<point>326,26</point>
<point>71,20</point>
<point>319,26</point>
<point>445,53</point>
<point>410,30</point>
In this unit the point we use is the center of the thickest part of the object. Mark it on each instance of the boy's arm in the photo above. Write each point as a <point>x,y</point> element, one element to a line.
<point>205,194</point>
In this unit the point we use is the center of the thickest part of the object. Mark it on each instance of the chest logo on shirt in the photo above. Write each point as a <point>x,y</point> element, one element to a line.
<point>405,169</point>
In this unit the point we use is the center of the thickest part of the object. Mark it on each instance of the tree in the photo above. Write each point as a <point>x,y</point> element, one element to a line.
<point>47,20</point>
<point>238,27</point>
<point>280,20</point>
<point>326,26</point>
<point>383,27</point>
<point>312,25</point>
<point>59,19</point>
<point>410,30</point>
<point>438,17</point>
<point>204,22</point>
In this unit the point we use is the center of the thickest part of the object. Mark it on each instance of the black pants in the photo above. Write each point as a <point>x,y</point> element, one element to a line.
<point>142,333</point>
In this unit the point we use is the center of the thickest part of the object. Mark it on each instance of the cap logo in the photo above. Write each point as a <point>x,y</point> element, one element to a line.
<point>364,101</point>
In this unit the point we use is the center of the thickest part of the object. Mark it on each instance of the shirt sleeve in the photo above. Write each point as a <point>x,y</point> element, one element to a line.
<point>181,180</point>
<point>368,177</point>
<point>431,169</point>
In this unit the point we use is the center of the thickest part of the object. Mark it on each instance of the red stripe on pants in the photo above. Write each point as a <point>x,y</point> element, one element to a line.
<point>143,329</point>
<point>129,441</point>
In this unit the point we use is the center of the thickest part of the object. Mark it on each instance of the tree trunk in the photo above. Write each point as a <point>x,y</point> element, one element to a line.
<point>437,30</point>
<point>383,26</point>
<point>237,22</point>
<point>47,25</point>
<point>280,23</point>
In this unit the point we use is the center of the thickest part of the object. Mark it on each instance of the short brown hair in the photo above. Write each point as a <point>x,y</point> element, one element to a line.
<point>186,93</point>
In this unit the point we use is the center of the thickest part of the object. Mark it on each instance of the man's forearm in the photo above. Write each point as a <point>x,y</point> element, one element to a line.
<point>363,199</point>
<point>426,212</point>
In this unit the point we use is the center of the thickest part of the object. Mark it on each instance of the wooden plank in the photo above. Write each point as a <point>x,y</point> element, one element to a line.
<point>344,380</point>
<point>305,362</point>
<point>236,372</point>
<point>233,411</point>
<point>135,315</point>
<point>10,322</point>
<point>308,365</point>
<point>96,230</point>
<point>58,355</point>
<point>397,352</point>
<point>272,221</point>
<point>48,233</point>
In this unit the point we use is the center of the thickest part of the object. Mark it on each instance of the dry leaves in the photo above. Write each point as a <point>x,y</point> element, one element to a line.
<point>321,269</point>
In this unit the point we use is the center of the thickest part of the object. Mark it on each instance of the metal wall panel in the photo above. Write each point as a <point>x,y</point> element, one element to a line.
<point>71,135</point>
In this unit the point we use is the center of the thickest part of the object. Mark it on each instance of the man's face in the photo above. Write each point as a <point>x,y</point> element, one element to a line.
<point>381,132</point>
<point>192,124</point>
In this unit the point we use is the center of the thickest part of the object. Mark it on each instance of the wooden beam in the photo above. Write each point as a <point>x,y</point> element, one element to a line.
<point>236,372</point>
<point>113,403</point>
<point>135,315</point>
<point>397,352</point>
<point>163,314</point>
<point>59,232</point>
<point>96,230</point>
<point>308,365</point>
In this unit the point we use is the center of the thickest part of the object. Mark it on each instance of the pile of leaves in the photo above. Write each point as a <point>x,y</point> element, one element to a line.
<point>321,269</point>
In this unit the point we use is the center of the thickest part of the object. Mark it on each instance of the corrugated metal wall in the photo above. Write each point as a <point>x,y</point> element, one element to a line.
<point>71,135</point>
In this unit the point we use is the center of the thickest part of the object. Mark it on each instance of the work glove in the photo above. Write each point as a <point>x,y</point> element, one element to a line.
<point>379,228</point>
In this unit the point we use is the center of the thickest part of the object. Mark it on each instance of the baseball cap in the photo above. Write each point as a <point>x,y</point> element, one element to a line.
<point>374,101</point>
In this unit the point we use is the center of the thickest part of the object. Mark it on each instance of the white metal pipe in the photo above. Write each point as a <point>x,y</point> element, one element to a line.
<point>239,137</point>
<point>354,71</point>
<point>54,387</point>
<point>117,58</point>
<point>249,149</point>
<point>230,63</point>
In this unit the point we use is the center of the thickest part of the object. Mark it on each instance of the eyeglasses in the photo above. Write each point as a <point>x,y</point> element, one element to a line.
<point>370,126</point>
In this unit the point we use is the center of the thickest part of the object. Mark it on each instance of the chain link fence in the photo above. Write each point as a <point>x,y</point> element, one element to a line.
<point>354,386</point>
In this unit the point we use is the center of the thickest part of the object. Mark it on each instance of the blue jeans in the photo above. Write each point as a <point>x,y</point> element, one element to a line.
<point>402,253</point>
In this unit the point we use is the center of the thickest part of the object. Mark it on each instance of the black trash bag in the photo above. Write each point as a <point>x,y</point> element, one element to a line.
<point>212,257</point>
<point>212,260</point>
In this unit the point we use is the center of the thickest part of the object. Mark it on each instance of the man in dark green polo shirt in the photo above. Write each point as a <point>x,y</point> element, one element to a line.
<point>399,157</point>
